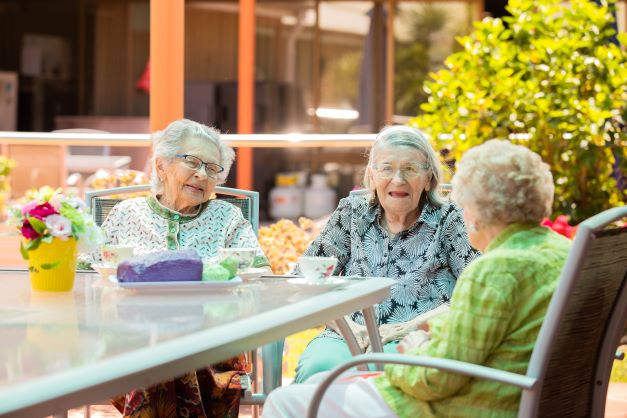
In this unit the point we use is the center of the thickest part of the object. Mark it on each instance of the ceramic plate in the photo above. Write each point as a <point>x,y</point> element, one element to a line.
<point>178,286</point>
<point>327,284</point>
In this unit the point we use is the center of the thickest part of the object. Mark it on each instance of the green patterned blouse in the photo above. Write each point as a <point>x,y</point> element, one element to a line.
<point>496,312</point>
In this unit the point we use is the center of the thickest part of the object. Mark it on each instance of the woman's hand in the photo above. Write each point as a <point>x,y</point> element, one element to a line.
<point>413,340</point>
<point>359,331</point>
<point>361,334</point>
<point>392,332</point>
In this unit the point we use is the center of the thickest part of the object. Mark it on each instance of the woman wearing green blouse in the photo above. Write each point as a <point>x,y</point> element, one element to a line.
<point>496,309</point>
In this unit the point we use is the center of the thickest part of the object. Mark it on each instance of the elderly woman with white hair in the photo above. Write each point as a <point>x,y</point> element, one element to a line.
<point>496,311</point>
<point>403,229</point>
<point>189,161</point>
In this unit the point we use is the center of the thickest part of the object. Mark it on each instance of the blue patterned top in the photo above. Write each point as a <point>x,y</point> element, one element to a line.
<point>425,260</point>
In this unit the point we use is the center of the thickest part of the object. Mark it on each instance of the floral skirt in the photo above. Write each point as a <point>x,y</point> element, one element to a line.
<point>212,392</point>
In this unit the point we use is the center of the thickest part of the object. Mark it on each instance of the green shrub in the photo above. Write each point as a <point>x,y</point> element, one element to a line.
<point>548,77</point>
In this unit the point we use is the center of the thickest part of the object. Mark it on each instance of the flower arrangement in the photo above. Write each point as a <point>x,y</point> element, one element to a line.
<point>49,214</point>
<point>560,225</point>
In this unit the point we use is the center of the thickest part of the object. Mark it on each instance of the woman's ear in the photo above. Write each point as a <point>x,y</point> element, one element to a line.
<point>371,183</point>
<point>160,166</point>
<point>429,182</point>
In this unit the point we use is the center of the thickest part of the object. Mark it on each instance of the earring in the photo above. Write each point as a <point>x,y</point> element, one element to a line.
<point>472,228</point>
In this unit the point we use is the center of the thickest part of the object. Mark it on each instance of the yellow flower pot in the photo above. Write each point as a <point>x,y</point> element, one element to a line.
<point>52,266</point>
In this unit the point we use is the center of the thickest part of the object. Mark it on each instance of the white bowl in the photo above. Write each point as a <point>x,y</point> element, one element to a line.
<point>244,256</point>
<point>105,270</point>
<point>317,268</point>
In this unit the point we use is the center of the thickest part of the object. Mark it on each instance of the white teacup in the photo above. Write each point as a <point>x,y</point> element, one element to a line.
<point>244,256</point>
<point>317,268</point>
<point>114,254</point>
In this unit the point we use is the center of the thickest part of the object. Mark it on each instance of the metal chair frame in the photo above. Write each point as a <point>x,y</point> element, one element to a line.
<point>252,214</point>
<point>541,385</point>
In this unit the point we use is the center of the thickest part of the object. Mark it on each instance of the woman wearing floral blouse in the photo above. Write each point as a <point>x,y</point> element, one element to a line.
<point>402,229</point>
<point>189,161</point>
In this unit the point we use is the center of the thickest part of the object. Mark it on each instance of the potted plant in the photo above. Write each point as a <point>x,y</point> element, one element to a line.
<point>54,228</point>
<point>551,77</point>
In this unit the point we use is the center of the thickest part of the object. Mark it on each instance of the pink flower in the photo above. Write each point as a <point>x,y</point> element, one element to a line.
<point>59,226</point>
<point>28,207</point>
<point>42,211</point>
<point>28,232</point>
<point>560,225</point>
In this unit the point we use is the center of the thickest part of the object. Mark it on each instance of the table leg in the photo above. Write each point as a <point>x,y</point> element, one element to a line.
<point>373,333</point>
<point>346,332</point>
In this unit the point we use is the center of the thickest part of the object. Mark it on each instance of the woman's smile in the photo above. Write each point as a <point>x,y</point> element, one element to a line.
<point>195,189</point>
<point>397,194</point>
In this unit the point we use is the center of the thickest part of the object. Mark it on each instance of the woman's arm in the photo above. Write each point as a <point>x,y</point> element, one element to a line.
<point>392,332</point>
<point>476,324</point>
<point>240,234</point>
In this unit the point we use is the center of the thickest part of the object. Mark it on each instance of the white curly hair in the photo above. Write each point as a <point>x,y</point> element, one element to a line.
<point>167,143</point>
<point>506,183</point>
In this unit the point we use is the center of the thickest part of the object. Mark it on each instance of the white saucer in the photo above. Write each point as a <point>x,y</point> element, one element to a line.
<point>316,285</point>
<point>251,273</point>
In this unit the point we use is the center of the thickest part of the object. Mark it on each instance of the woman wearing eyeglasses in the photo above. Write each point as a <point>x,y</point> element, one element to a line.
<point>402,229</point>
<point>189,161</point>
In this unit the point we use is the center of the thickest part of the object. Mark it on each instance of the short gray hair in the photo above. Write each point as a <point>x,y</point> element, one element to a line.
<point>406,136</point>
<point>167,143</point>
<point>506,183</point>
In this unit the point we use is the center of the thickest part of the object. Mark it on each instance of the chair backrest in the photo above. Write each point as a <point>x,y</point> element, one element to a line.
<point>445,189</point>
<point>101,205</point>
<point>575,348</point>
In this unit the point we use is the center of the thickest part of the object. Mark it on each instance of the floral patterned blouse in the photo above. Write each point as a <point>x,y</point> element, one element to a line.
<point>148,226</point>
<point>425,260</point>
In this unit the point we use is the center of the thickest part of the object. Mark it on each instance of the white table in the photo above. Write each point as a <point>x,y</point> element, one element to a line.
<point>58,351</point>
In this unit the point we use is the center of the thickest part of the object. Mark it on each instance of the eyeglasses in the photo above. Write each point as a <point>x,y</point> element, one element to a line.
<point>195,163</point>
<point>408,172</point>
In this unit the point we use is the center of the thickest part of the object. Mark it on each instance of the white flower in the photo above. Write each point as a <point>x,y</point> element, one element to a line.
<point>59,226</point>
<point>56,201</point>
<point>15,219</point>
<point>90,239</point>
<point>77,203</point>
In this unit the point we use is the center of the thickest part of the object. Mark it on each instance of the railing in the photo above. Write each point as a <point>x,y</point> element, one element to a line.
<point>234,140</point>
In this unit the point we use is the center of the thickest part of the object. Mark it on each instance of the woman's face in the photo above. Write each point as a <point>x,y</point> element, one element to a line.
<point>400,176</point>
<point>184,188</point>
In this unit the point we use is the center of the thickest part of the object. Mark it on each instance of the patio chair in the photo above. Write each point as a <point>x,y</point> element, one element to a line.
<point>569,369</point>
<point>101,205</point>
<point>100,202</point>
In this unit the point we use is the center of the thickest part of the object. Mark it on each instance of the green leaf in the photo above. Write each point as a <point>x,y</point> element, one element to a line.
<point>23,251</point>
<point>47,239</point>
<point>37,225</point>
<point>33,244</point>
<point>33,269</point>
<point>49,266</point>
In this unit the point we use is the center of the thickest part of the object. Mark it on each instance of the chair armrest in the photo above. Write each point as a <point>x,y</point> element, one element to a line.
<point>454,366</point>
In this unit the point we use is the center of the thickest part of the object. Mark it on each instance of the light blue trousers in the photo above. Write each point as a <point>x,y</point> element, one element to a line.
<point>324,353</point>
